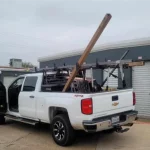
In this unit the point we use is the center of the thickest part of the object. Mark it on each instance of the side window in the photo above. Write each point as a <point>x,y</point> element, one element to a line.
<point>30,84</point>
<point>17,83</point>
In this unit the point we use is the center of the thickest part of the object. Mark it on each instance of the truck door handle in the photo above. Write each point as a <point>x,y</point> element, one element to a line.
<point>115,98</point>
<point>31,96</point>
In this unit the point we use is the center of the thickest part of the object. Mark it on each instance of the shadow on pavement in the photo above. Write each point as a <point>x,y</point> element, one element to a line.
<point>39,137</point>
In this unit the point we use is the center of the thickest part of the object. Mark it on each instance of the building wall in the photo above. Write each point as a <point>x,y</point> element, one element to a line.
<point>128,78</point>
<point>113,54</point>
<point>17,63</point>
<point>10,74</point>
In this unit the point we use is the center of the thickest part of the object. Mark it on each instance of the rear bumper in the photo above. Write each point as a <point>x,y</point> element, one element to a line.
<point>105,123</point>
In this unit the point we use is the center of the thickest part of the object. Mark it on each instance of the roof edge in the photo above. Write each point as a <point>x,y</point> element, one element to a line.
<point>103,47</point>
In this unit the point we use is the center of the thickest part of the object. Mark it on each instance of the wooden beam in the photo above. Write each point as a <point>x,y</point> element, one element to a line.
<point>88,49</point>
<point>138,63</point>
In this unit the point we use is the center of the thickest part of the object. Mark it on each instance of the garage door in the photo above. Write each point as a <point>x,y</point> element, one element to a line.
<point>113,82</point>
<point>8,80</point>
<point>88,73</point>
<point>141,86</point>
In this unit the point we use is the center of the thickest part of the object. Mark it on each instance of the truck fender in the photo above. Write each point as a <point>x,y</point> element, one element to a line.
<point>53,111</point>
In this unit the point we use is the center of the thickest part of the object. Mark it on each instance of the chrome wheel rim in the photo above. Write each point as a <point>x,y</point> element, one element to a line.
<point>59,130</point>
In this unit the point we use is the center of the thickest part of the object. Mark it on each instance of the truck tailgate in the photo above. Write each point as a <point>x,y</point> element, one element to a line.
<point>114,100</point>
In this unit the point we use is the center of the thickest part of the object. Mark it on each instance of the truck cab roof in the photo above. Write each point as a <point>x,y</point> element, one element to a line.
<point>37,74</point>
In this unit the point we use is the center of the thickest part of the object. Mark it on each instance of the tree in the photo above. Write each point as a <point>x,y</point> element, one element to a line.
<point>27,65</point>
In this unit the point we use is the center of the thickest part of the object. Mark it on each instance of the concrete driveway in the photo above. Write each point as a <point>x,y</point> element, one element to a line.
<point>18,136</point>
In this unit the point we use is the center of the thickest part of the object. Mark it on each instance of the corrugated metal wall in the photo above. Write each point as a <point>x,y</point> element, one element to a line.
<point>112,82</point>
<point>141,86</point>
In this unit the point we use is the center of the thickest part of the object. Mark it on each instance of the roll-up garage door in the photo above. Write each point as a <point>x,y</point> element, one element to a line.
<point>8,80</point>
<point>113,82</point>
<point>141,86</point>
<point>88,73</point>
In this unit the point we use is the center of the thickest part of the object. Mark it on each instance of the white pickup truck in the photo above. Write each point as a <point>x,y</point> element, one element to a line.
<point>25,101</point>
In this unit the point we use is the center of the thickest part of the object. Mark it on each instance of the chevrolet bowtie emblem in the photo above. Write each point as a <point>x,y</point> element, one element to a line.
<point>115,103</point>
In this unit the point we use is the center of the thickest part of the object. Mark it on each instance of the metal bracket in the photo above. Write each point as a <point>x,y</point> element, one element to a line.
<point>119,129</point>
<point>121,71</point>
<point>122,75</point>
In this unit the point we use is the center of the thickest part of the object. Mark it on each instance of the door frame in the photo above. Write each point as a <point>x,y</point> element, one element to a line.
<point>3,102</point>
<point>7,94</point>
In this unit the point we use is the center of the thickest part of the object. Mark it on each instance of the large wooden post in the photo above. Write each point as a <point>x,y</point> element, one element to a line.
<point>89,47</point>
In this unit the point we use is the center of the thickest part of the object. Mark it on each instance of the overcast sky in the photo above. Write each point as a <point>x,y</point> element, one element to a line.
<point>30,29</point>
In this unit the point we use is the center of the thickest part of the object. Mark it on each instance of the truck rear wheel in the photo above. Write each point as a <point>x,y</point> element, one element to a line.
<point>62,131</point>
<point>2,119</point>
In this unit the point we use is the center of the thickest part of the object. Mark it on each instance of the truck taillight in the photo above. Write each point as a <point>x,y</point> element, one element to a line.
<point>134,98</point>
<point>87,106</point>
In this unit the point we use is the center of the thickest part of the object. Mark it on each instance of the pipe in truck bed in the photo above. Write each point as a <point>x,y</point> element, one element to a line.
<point>88,49</point>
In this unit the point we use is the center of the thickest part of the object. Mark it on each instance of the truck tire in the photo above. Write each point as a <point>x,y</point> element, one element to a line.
<point>62,131</point>
<point>2,119</point>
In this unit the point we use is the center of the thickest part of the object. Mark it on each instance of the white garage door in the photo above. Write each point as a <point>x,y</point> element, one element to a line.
<point>8,80</point>
<point>113,82</point>
<point>141,86</point>
<point>88,73</point>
